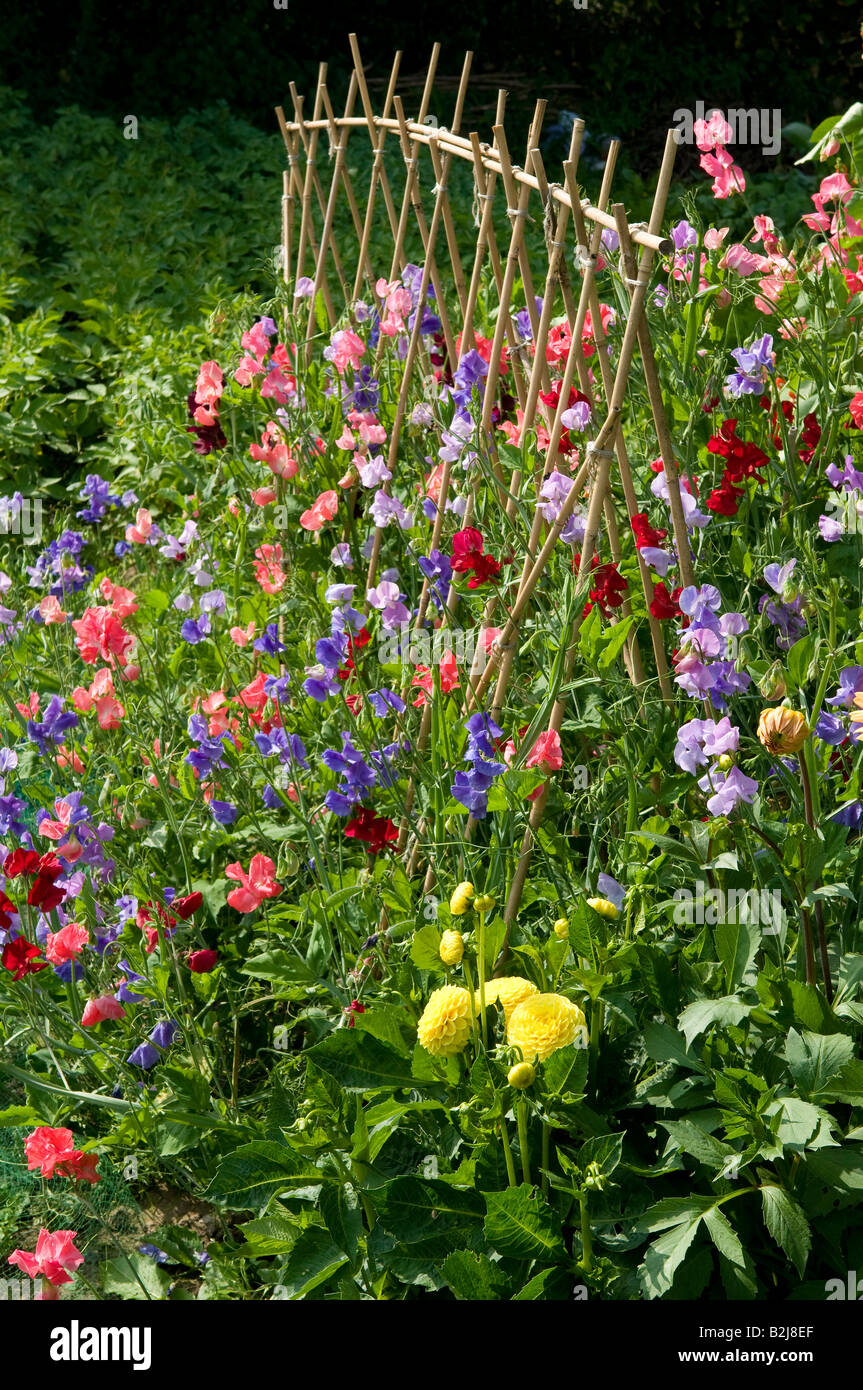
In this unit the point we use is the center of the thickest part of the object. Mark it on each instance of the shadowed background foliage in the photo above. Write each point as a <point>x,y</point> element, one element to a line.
<point>624,64</point>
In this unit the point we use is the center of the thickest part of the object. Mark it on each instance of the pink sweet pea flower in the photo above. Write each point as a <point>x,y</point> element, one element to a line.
<point>728,177</point>
<point>268,569</point>
<point>256,885</point>
<point>209,385</point>
<point>346,350</point>
<point>242,636</point>
<point>121,600</point>
<point>546,752</point>
<point>66,944</point>
<point>47,1147</point>
<point>714,237</point>
<point>50,610</point>
<point>742,261</point>
<point>322,510</point>
<point>138,533</point>
<point>263,496</point>
<point>97,1010</point>
<point>55,1258</point>
<point>247,369</point>
<point>716,131</point>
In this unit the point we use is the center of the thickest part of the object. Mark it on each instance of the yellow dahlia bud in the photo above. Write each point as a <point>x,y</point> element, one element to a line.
<point>604,907</point>
<point>445,1026</point>
<point>521,1076</point>
<point>461,899</point>
<point>782,731</point>
<point>507,992</point>
<point>484,903</point>
<point>561,928</point>
<point>451,947</point>
<point>725,762</point>
<point>543,1023</point>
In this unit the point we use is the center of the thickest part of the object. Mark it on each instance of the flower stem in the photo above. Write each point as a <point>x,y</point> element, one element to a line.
<point>480,962</point>
<point>546,1146</point>
<point>521,1115</point>
<point>586,1241</point>
<point>507,1150</point>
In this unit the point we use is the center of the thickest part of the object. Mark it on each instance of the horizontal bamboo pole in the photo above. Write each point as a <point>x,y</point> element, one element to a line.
<point>458,145</point>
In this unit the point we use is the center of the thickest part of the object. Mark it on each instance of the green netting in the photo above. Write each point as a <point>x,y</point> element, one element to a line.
<point>102,1213</point>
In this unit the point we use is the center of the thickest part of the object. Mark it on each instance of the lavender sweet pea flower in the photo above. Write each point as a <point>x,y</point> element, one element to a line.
<point>683,235</point>
<point>577,417</point>
<point>164,1032</point>
<point>144,1056</point>
<point>657,559</point>
<point>851,814</point>
<point>269,641</point>
<point>831,530</point>
<point>728,791</point>
<point>848,476</point>
<point>850,684</point>
<point>387,599</point>
<point>385,701</point>
<point>830,729</point>
<point>752,362</point>
<point>341,557</point>
<point>374,471</point>
<point>608,887</point>
<point>54,725</point>
<point>223,812</point>
<point>194,630</point>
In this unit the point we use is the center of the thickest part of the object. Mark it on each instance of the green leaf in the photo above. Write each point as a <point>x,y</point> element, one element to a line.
<point>313,1260</point>
<point>521,1224</point>
<point>692,1139</point>
<point>134,1277</point>
<point>340,1207</point>
<point>551,1284</point>
<point>428,1217</point>
<point>360,1062</point>
<point>282,967</point>
<point>249,1178</point>
<point>425,948</point>
<point>612,642</point>
<point>565,1071</point>
<point>724,1237</point>
<point>664,1257</point>
<point>813,1058</point>
<point>475,1278</point>
<point>383,1021</point>
<point>737,944</point>
<point>728,1011</point>
<point>786,1222</point>
<point>664,1044</point>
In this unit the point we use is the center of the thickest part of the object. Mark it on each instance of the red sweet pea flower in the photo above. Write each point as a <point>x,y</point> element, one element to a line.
<point>375,831</point>
<point>468,558</point>
<point>644,533</point>
<point>742,460</point>
<point>20,958</point>
<point>202,962</point>
<point>726,498</point>
<point>355,1007</point>
<point>663,604</point>
<point>55,1257</point>
<point>856,408</point>
<point>186,907</point>
<point>21,861</point>
<point>609,588</point>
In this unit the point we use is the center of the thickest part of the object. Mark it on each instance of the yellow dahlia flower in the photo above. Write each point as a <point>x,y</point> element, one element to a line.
<point>461,899</point>
<point>507,992</point>
<point>521,1076</point>
<point>542,1023</point>
<point>561,928</point>
<point>604,907</point>
<point>445,1026</point>
<point>451,947</point>
<point>782,731</point>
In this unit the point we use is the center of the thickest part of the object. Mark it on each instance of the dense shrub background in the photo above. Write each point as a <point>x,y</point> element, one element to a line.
<point>627,64</point>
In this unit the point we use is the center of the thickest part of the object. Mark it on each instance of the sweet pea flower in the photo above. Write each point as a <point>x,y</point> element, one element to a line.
<point>55,1259</point>
<point>256,885</point>
<point>546,753</point>
<point>104,1006</point>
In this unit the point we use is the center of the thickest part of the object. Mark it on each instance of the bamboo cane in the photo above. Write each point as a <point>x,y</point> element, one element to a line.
<point>379,140</point>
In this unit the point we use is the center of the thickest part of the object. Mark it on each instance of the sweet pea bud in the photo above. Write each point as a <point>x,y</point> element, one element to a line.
<point>484,903</point>
<point>561,928</point>
<point>603,907</point>
<point>461,899</point>
<point>451,947</point>
<point>782,731</point>
<point>521,1075</point>
<point>772,684</point>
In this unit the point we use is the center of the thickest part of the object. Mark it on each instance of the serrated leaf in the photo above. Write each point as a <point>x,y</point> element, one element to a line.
<point>813,1058</point>
<point>736,945</point>
<point>360,1062</point>
<point>521,1224</point>
<point>475,1278</point>
<point>786,1222</point>
<point>729,1011</point>
<point>313,1260</point>
<point>249,1178</point>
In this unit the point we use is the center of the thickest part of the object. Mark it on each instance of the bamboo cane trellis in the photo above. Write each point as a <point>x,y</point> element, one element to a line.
<point>571,223</point>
